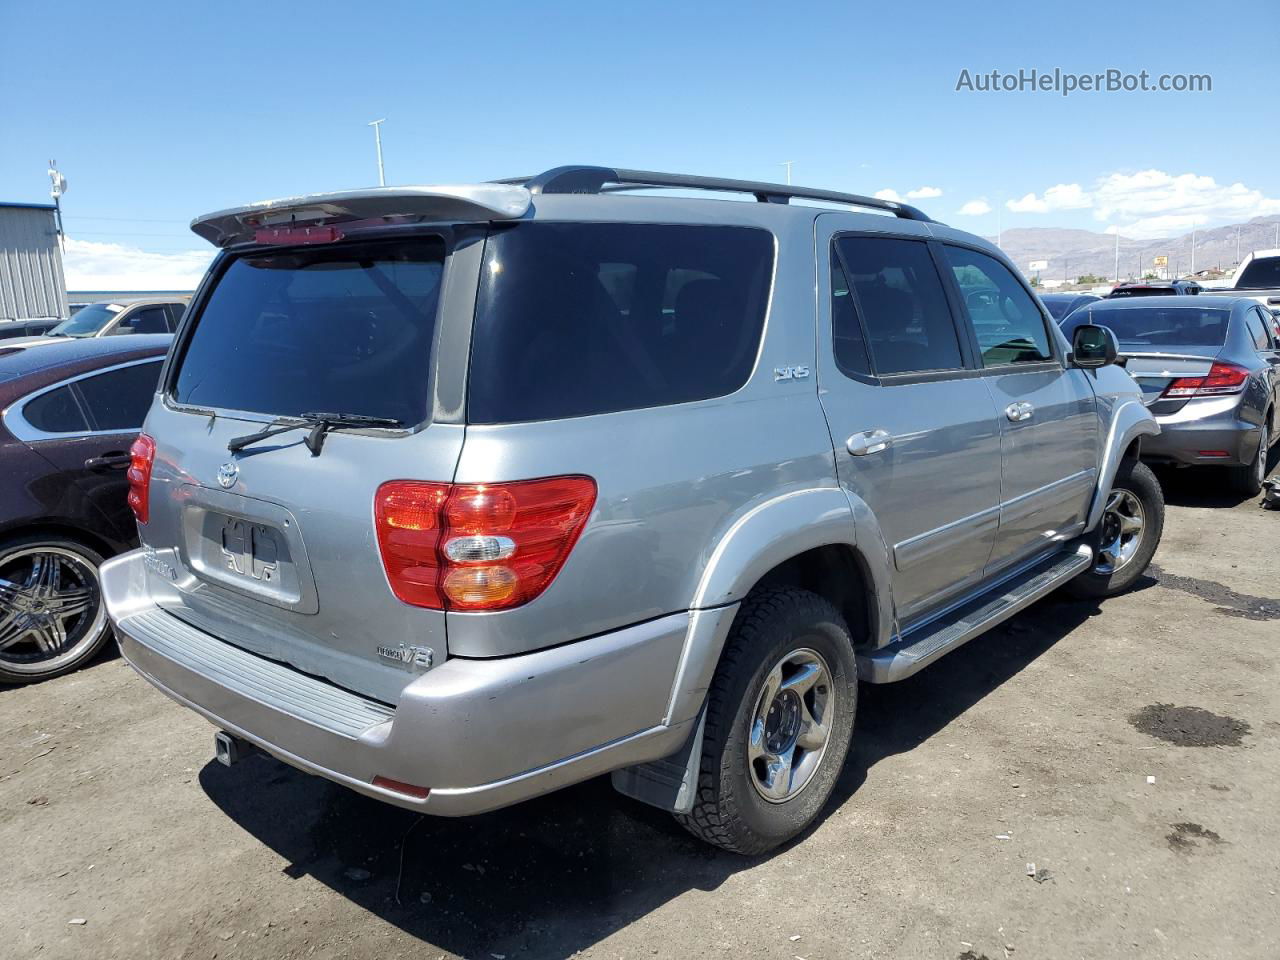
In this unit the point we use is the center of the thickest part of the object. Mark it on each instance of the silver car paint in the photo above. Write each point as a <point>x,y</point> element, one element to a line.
<point>696,502</point>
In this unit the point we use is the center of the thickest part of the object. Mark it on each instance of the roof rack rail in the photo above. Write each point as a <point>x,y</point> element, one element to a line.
<point>586,179</point>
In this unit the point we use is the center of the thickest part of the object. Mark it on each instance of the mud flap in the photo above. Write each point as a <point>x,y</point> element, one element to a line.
<point>670,783</point>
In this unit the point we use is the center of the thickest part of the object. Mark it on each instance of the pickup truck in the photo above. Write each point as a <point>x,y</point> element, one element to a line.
<point>1258,277</point>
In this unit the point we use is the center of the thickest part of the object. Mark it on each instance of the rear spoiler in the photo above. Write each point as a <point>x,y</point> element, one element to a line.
<point>481,201</point>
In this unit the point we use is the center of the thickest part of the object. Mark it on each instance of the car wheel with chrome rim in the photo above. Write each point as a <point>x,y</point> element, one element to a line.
<point>52,618</point>
<point>1126,537</point>
<point>778,722</point>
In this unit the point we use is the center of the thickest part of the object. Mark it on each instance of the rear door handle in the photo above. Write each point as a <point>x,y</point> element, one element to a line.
<point>108,461</point>
<point>867,442</point>
<point>1017,412</point>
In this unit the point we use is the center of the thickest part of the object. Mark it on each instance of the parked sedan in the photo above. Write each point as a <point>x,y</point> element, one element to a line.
<point>1208,372</point>
<point>114,317</point>
<point>67,417</point>
<point>1062,305</point>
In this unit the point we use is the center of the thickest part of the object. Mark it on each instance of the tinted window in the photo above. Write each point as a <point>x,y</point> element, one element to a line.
<point>1261,273</point>
<point>55,412</point>
<point>342,329</point>
<point>1009,324</point>
<point>1257,330</point>
<point>1057,306</point>
<point>145,320</point>
<point>119,399</point>
<point>176,310</point>
<point>584,318</point>
<point>1157,326</point>
<point>899,295</point>
<point>846,332</point>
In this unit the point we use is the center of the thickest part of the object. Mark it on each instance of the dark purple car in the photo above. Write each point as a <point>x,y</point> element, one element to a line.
<point>68,412</point>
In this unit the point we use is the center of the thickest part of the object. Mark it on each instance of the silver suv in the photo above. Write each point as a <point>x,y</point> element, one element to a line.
<point>457,495</point>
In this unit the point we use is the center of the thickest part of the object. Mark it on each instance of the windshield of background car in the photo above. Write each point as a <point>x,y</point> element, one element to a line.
<point>342,329</point>
<point>1057,308</point>
<point>87,321</point>
<point>1158,326</point>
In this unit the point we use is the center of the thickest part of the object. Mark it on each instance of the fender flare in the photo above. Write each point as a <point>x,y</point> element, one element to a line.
<point>1130,421</point>
<point>758,540</point>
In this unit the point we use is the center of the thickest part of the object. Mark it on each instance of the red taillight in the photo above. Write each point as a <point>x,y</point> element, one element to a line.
<point>1222,378</point>
<point>142,455</point>
<point>478,546</point>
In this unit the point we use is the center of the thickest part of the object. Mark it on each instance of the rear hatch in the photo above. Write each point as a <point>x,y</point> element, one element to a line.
<point>272,546</point>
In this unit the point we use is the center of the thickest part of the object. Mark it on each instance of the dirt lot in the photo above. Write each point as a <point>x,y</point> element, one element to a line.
<point>1035,745</point>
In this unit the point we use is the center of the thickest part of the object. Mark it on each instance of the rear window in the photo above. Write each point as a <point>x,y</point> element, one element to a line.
<point>1158,326</point>
<point>344,329</point>
<point>1260,274</point>
<point>576,319</point>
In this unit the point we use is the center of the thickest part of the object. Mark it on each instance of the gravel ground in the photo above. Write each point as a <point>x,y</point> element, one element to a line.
<point>1123,754</point>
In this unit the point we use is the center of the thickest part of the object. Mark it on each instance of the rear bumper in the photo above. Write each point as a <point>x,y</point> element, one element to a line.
<point>480,734</point>
<point>1205,425</point>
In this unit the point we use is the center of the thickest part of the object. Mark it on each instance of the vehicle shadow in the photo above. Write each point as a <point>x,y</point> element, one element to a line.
<point>556,875</point>
<point>1198,487</point>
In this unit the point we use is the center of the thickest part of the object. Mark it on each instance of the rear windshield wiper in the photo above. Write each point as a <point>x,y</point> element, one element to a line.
<point>318,424</point>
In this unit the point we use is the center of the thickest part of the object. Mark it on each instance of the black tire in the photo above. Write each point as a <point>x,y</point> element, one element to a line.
<point>1100,581</point>
<point>729,810</point>
<point>86,632</point>
<point>1247,480</point>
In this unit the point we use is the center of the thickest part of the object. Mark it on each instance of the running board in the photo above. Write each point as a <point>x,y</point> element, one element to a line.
<point>921,647</point>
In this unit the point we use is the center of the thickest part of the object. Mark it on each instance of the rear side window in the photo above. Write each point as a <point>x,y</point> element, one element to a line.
<point>1261,273</point>
<point>146,320</point>
<point>337,329</point>
<point>56,412</point>
<point>575,319</point>
<point>899,295</point>
<point>119,399</point>
<point>1009,325</point>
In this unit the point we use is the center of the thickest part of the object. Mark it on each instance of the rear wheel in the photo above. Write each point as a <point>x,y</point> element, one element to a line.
<point>52,619</point>
<point>1247,480</point>
<point>779,720</point>
<point>1128,534</point>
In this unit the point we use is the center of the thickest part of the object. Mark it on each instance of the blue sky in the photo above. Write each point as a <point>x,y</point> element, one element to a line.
<point>157,112</point>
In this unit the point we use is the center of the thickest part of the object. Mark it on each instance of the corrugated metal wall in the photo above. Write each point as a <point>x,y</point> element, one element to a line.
<point>31,280</point>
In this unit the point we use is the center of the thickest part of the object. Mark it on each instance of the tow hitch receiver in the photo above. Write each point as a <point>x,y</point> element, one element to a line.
<point>229,749</point>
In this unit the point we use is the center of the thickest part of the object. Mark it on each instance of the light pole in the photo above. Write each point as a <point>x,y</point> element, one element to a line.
<point>377,139</point>
<point>1117,254</point>
<point>787,164</point>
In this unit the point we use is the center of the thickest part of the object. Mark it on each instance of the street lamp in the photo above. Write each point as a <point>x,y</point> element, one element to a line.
<point>377,138</point>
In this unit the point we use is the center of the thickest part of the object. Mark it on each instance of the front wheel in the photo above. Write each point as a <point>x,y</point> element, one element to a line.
<point>1127,535</point>
<point>779,720</point>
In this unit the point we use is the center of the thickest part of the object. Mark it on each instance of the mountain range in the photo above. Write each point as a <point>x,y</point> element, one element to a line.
<point>1072,253</point>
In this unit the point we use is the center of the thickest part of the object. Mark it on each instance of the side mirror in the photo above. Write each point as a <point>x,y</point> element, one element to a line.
<point>1093,346</point>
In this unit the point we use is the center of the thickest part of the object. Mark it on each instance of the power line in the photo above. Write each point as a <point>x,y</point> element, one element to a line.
<point>78,216</point>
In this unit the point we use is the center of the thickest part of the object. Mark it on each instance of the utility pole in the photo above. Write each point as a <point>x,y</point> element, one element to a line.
<point>1117,254</point>
<point>787,164</point>
<point>999,225</point>
<point>1193,249</point>
<point>58,188</point>
<point>377,139</point>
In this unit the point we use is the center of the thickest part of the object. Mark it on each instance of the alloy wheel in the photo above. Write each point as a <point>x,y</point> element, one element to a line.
<point>1123,522</point>
<point>50,608</point>
<point>790,725</point>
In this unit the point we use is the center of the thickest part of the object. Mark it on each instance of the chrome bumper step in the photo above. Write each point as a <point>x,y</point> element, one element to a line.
<point>922,646</point>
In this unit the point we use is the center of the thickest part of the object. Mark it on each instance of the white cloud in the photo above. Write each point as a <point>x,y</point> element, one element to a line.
<point>1063,196</point>
<point>1152,203</point>
<point>90,265</point>
<point>919,193</point>
<point>975,208</point>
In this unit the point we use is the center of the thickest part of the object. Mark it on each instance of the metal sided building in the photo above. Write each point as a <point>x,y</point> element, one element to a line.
<point>31,279</point>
